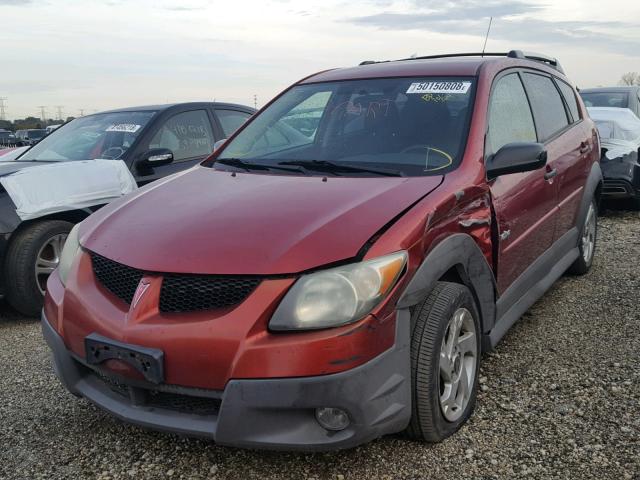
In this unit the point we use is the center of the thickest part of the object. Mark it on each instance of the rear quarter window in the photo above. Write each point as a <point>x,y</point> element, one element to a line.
<point>548,109</point>
<point>570,98</point>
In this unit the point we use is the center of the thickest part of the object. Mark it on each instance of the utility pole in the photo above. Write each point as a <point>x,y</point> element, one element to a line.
<point>2,107</point>
<point>81,112</point>
<point>59,110</point>
<point>255,101</point>
<point>43,113</point>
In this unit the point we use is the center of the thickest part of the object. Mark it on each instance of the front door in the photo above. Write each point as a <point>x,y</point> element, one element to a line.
<point>189,136</point>
<point>525,204</point>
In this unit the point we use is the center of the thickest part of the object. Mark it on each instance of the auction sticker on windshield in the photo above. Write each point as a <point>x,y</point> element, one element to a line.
<point>439,87</point>
<point>124,127</point>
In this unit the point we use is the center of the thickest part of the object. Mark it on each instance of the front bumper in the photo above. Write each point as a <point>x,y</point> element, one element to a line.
<point>261,413</point>
<point>621,177</point>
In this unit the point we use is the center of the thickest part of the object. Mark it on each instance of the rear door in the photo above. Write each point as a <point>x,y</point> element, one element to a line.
<point>525,204</point>
<point>566,138</point>
<point>189,134</point>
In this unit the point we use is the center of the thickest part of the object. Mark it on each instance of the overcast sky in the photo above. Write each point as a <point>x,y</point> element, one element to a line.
<point>101,54</point>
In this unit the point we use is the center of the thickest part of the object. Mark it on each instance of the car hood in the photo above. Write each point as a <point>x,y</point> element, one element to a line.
<point>7,168</point>
<point>212,222</point>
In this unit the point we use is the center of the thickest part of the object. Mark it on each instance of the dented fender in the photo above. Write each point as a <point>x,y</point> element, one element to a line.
<point>460,251</point>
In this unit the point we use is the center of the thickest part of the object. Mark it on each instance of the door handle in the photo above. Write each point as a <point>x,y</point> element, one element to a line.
<point>585,147</point>
<point>550,174</point>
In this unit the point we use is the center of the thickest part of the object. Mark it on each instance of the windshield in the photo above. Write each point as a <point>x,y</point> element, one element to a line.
<point>605,99</point>
<point>105,135</point>
<point>412,126</point>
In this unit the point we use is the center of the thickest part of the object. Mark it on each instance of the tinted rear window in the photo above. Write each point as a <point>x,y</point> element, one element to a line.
<point>547,105</point>
<point>606,99</point>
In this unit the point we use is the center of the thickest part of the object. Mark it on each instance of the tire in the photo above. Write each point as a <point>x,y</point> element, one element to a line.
<point>430,324</point>
<point>41,239</point>
<point>635,203</point>
<point>587,241</point>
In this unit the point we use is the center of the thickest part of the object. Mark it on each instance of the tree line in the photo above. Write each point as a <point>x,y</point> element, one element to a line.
<point>29,123</point>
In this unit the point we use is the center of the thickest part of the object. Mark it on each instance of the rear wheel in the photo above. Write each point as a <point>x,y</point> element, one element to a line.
<point>587,243</point>
<point>34,252</point>
<point>445,359</point>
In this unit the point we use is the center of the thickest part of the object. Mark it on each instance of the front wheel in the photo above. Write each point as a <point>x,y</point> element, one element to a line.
<point>587,243</point>
<point>445,359</point>
<point>34,252</point>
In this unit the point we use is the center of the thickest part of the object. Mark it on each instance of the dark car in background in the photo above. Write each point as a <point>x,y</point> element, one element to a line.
<point>31,136</point>
<point>619,132</point>
<point>613,97</point>
<point>150,142</point>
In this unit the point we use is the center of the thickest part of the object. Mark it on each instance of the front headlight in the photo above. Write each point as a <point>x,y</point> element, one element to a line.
<point>338,296</point>
<point>69,252</point>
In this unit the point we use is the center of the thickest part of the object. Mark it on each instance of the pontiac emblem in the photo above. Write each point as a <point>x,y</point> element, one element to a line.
<point>143,286</point>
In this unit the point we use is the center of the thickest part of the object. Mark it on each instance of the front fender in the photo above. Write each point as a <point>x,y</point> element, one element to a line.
<point>462,252</point>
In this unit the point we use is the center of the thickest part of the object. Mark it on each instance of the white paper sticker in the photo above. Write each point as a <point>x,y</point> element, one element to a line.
<point>124,127</point>
<point>445,87</point>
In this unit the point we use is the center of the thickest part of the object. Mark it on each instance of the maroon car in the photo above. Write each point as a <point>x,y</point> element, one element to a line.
<point>335,270</point>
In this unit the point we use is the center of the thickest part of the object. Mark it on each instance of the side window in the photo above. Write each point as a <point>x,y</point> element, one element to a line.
<point>305,117</point>
<point>570,97</point>
<point>231,120</point>
<point>187,135</point>
<point>547,105</point>
<point>510,118</point>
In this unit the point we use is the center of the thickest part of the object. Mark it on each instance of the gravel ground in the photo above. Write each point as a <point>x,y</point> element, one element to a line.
<point>560,399</point>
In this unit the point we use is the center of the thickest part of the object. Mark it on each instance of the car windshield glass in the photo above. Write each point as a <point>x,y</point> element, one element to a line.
<point>104,135</point>
<point>407,126</point>
<point>605,99</point>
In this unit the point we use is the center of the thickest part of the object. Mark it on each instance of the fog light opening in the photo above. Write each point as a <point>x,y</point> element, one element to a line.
<point>334,419</point>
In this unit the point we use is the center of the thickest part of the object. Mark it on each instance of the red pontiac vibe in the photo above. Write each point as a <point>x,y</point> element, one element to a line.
<point>334,271</point>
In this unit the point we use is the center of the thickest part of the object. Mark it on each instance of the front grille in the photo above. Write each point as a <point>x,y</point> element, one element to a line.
<point>184,403</point>
<point>179,293</point>
<point>158,399</point>
<point>119,279</point>
<point>188,293</point>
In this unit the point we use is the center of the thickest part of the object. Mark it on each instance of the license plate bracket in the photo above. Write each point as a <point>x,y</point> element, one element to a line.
<point>148,361</point>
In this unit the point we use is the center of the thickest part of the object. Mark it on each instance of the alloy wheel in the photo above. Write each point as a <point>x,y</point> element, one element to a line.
<point>589,235</point>
<point>458,363</point>
<point>48,259</point>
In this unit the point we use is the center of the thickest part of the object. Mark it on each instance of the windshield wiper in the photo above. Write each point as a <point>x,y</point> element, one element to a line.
<point>248,166</point>
<point>337,168</point>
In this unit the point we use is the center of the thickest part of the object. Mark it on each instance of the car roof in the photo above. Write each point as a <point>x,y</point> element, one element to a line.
<point>628,88</point>
<point>467,66</point>
<point>167,106</point>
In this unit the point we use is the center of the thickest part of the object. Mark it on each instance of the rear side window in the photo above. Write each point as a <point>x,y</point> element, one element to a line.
<point>570,98</point>
<point>548,109</point>
<point>231,120</point>
<point>510,118</point>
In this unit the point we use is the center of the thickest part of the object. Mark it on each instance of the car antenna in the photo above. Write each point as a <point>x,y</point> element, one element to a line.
<point>487,36</point>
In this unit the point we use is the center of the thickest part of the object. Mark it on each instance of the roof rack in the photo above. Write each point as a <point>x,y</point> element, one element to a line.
<point>537,57</point>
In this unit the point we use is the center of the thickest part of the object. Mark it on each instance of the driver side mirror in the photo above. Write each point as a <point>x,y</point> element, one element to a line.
<point>516,158</point>
<point>156,157</point>
<point>218,144</point>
